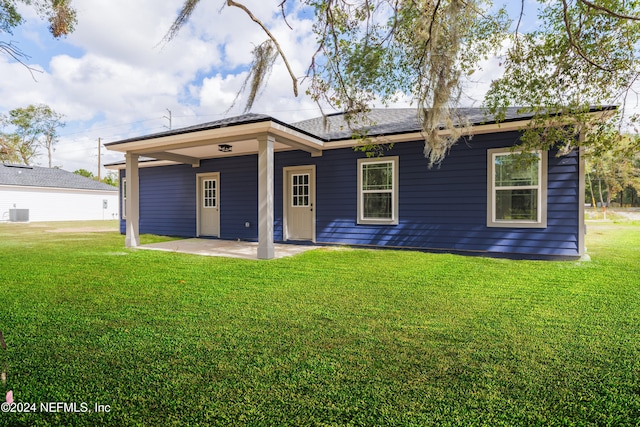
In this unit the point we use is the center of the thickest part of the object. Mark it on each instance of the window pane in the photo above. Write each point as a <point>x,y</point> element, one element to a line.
<point>517,205</point>
<point>514,170</point>
<point>377,205</point>
<point>300,190</point>
<point>377,176</point>
<point>209,193</point>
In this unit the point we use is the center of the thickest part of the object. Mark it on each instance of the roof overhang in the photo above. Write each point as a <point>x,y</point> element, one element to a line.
<point>191,145</point>
<point>223,141</point>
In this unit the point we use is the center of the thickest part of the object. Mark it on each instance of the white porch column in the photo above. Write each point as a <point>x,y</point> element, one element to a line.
<point>265,197</point>
<point>132,238</point>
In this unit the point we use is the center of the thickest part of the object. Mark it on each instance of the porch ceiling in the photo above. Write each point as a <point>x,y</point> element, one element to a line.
<point>238,148</point>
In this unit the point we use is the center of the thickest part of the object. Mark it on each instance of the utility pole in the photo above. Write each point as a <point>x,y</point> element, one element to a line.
<point>168,118</point>
<point>99,144</point>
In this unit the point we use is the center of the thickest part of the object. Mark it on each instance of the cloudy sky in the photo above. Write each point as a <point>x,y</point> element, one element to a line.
<point>113,79</point>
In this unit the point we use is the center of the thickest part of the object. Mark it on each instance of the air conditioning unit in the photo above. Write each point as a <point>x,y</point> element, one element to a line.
<point>19,215</point>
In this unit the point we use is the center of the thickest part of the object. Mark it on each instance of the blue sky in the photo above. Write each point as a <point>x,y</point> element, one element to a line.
<point>112,80</point>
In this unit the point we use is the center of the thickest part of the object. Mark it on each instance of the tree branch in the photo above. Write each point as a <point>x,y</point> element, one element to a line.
<point>609,11</point>
<point>273,39</point>
<point>567,25</point>
<point>284,15</point>
<point>518,26</point>
<point>17,54</point>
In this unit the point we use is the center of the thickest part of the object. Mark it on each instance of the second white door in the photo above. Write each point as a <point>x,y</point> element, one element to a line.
<point>299,203</point>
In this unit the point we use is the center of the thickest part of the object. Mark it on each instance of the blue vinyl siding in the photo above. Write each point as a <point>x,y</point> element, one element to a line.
<point>168,198</point>
<point>443,208</point>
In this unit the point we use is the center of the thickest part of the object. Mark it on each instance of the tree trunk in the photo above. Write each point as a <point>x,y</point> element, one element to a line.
<point>593,198</point>
<point>600,190</point>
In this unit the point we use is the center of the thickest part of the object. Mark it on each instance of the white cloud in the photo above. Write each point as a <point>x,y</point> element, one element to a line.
<point>116,81</point>
<point>111,79</point>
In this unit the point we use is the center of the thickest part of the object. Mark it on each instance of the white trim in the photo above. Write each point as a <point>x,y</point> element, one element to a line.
<point>124,198</point>
<point>57,189</point>
<point>395,191</point>
<point>286,197</point>
<point>581,199</point>
<point>286,137</point>
<point>541,187</point>
<point>221,134</point>
<point>199,177</point>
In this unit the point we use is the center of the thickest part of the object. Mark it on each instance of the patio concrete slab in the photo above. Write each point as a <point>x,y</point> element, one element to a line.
<point>224,248</point>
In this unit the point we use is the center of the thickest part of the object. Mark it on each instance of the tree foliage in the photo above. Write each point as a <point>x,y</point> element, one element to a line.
<point>110,179</point>
<point>84,172</point>
<point>582,54</point>
<point>611,172</point>
<point>59,13</point>
<point>32,128</point>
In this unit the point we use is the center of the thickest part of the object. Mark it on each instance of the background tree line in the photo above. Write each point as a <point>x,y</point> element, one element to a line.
<point>613,179</point>
<point>26,132</point>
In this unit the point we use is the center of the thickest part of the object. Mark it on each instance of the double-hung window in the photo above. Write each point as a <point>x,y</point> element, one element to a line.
<point>517,189</point>
<point>378,191</point>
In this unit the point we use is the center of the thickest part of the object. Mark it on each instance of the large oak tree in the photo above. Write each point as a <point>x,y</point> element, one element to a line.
<point>583,53</point>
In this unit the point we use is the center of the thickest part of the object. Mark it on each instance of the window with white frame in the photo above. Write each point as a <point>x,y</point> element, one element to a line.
<point>517,189</point>
<point>378,191</point>
<point>124,198</point>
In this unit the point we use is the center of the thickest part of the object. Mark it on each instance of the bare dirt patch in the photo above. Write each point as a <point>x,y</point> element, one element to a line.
<point>613,214</point>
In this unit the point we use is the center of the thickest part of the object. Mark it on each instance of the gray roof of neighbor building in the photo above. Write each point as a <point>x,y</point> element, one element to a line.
<point>36,176</point>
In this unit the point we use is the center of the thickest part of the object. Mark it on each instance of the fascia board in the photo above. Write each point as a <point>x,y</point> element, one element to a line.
<point>227,134</point>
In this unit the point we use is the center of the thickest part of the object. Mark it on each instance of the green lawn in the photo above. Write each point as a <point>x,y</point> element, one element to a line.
<point>326,338</point>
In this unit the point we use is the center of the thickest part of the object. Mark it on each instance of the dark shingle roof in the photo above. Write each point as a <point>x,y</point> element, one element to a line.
<point>230,121</point>
<point>391,121</point>
<point>35,176</point>
<point>378,122</point>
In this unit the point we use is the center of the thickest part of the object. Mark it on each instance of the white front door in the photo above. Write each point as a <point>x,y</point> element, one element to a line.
<point>209,205</point>
<point>299,203</point>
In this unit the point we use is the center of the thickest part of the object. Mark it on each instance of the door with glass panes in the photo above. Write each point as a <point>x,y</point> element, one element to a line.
<point>209,205</point>
<point>299,201</point>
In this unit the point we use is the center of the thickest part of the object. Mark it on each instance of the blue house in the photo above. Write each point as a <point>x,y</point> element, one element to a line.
<point>253,177</point>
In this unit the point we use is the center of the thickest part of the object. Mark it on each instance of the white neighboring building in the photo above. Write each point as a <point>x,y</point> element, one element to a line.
<point>33,193</point>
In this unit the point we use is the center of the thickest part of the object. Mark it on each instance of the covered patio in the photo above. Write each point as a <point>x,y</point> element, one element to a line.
<point>238,136</point>
<point>225,248</point>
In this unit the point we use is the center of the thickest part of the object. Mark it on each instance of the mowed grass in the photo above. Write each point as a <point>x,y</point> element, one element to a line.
<point>327,338</point>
